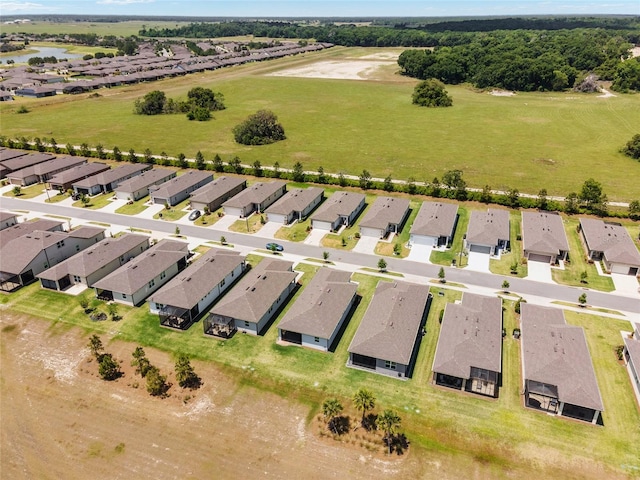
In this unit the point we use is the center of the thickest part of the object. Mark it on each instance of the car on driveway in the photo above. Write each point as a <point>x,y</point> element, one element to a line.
<point>194,215</point>
<point>274,247</point>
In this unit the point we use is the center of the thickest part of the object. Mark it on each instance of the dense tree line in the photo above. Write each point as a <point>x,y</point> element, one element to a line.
<point>198,106</point>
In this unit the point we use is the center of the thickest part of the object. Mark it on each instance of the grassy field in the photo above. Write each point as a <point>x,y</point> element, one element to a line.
<point>518,141</point>
<point>437,421</point>
<point>96,202</point>
<point>28,192</point>
<point>127,28</point>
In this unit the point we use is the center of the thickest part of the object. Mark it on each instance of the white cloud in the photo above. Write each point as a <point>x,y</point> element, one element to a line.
<point>20,6</point>
<point>123,2</point>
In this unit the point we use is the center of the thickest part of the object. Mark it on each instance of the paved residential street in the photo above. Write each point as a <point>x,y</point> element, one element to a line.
<point>625,301</point>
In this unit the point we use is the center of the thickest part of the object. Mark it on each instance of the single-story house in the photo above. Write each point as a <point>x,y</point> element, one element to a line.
<point>388,338</point>
<point>386,215</point>
<point>19,229</point>
<point>178,189</point>
<point>320,312</point>
<point>108,180</point>
<point>295,205</point>
<point>64,180</point>
<point>557,370</point>
<point>631,357</point>
<point>434,225</point>
<point>9,153</point>
<point>256,198</point>
<point>134,281</point>
<point>22,258</point>
<point>94,263</point>
<point>254,300</point>
<point>611,243</point>
<point>488,232</point>
<point>138,187</point>
<point>5,96</point>
<point>469,351</point>
<point>543,237</point>
<point>7,219</point>
<point>36,92</point>
<point>42,172</point>
<point>341,208</point>
<point>214,194</point>
<point>188,295</point>
<point>21,160</point>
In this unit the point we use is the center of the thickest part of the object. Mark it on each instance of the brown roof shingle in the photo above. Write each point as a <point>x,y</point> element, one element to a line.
<point>543,232</point>
<point>487,228</point>
<point>611,239</point>
<point>385,211</point>
<point>435,219</point>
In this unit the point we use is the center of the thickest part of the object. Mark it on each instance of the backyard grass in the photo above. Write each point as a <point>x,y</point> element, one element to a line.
<point>58,197</point>
<point>294,233</point>
<point>173,213</point>
<point>27,192</point>
<point>445,258</point>
<point>95,202</point>
<point>247,225</point>
<point>525,139</point>
<point>503,266</point>
<point>578,263</point>
<point>436,420</point>
<point>134,208</point>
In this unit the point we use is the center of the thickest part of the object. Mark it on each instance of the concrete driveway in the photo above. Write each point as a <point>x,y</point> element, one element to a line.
<point>315,236</point>
<point>420,253</point>
<point>113,205</point>
<point>539,271</point>
<point>225,222</point>
<point>268,230</point>
<point>626,284</point>
<point>478,262</point>
<point>366,244</point>
<point>150,211</point>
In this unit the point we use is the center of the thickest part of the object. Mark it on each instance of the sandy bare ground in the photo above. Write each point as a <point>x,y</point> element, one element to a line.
<point>342,70</point>
<point>59,420</point>
<point>635,52</point>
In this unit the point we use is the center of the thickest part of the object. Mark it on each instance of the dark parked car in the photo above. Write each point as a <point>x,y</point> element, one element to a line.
<point>194,215</point>
<point>275,247</point>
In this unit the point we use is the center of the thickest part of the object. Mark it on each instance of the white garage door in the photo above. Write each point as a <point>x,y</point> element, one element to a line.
<point>480,249</point>
<point>424,240</point>
<point>534,257</point>
<point>370,232</point>
<point>277,218</point>
<point>620,268</point>
<point>321,225</point>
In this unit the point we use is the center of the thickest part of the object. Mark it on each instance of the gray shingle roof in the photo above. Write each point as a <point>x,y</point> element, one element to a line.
<point>23,228</point>
<point>112,175</point>
<point>136,273</point>
<point>48,167</point>
<point>144,180</point>
<point>338,204</point>
<point>24,161</point>
<point>385,211</point>
<point>95,257</point>
<point>435,219</point>
<point>321,305</point>
<point>256,193</point>
<point>556,353</point>
<point>178,184</point>
<point>389,328</point>
<point>9,153</point>
<point>4,216</point>
<point>633,347</point>
<point>25,248</point>
<point>470,336</point>
<point>216,189</point>
<point>295,200</point>
<point>78,173</point>
<point>487,228</point>
<point>256,292</point>
<point>611,239</point>
<point>201,277</point>
<point>543,232</point>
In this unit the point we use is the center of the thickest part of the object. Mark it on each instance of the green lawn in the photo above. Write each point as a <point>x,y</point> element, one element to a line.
<point>503,266</point>
<point>294,233</point>
<point>28,192</point>
<point>453,253</point>
<point>173,213</point>
<point>208,219</point>
<point>519,141</point>
<point>134,208</point>
<point>348,237</point>
<point>578,263</point>
<point>96,202</point>
<point>247,225</point>
<point>387,248</point>
<point>58,197</point>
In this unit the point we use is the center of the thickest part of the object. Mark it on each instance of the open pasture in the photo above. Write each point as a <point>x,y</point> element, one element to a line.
<point>527,141</point>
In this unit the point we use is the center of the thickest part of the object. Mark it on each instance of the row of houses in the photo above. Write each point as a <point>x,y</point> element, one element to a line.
<point>51,79</point>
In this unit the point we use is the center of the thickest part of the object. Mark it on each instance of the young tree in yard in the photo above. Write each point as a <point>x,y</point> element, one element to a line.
<point>387,185</point>
<point>257,168</point>
<point>431,93</point>
<point>156,382</point>
<point>365,180</point>
<point>452,179</point>
<point>571,203</point>
<point>84,304</point>
<point>95,345</point>
<point>583,276</point>
<point>199,160</point>
<point>389,422</point>
<point>542,199</point>
<point>117,154</point>
<point>410,186</point>
<point>331,408</point>
<point>261,128</point>
<point>38,144</point>
<point>148,157</point>
<point>108,368</point>
<point>485,196</point>
<point>85,200</point>
<point>185,375</point>
<point>140,361</point>
<point>217,163</point>
<point>132,158</point>
<point>71,150</point>
<point>112,310</point>
<point>505,286</point>
<point>54,145</point>
<point>397,249</point>
<point>382,265</point>
<point>298,172</point>
<point>513,195</point>
<point>364,400</point>
<point>235,165</point>
<point>177,231</point>
<point>276,170</point>
<point>591,193</point>
<point>514,267</point>
<point>102,155</point>
<point>342,180</point>
<point>85,151</point>
<point>634,209</point>
<point>223,240</point>
<point>17,191</point>
<point>441,275</point>
<point>582,299</point>
<point>321,176</point>
<point>325,256</point>
<point>182,161</point>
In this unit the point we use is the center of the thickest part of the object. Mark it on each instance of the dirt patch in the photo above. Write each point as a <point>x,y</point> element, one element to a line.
<point>342,70</point>
<point>501,93</point>
<point>635,52</point>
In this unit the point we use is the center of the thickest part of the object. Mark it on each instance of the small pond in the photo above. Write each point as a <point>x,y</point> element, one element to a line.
<point>41,52</point>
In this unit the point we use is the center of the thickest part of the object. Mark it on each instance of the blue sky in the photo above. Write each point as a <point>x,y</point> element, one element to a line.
<point>301,8</point>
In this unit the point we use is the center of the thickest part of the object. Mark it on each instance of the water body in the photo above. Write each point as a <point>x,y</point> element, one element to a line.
<point>42,52</point>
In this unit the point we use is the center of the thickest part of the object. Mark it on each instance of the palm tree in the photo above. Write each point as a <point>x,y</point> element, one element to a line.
<point>331,408</point>
<point>388,421</point>
<point>364,400</point>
